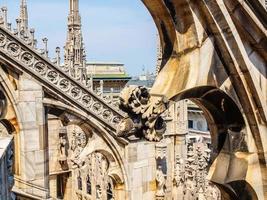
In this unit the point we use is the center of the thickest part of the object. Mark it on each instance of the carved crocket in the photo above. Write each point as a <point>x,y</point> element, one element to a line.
<point>144,111</point>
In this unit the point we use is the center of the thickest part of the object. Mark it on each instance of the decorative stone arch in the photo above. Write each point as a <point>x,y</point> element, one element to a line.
<point>115,169</point>
<point>221,111</point>
<point>228,135</point>
<point>201,37</point>
<point>110,145</point>
<point>115,172</point>
<point>9,99</point>
<point>110,183</point>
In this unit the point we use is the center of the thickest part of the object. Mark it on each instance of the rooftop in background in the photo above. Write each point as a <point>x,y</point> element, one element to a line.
<point>98,63</point>
<point>146,79</point>
<point>107,71</point>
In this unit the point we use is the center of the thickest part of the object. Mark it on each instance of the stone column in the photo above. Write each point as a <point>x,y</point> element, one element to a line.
<point>141,168</point>
<point>177,126</point>
<point>177,129</point>
<point>181,128</point>
<point>34,170</point>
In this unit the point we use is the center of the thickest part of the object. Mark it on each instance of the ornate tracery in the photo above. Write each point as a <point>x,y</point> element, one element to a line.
<point>97,183</point>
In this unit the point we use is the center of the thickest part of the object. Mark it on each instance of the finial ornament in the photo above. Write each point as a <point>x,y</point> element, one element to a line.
<point>45,41</point>
<point>24,15</point>
<point>58,56</point>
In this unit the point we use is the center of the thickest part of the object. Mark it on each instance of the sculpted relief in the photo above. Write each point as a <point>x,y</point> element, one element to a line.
<point>90,175</point>
<point>190,176</point>
<point>143,111</point>
<point>93,180</point>
<point>78,142</point>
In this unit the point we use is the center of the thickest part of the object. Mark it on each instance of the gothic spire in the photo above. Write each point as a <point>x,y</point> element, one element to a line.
<point>74,18</point>
<point>74,48</point>
<point>23,15</point>
<point>74,6</point>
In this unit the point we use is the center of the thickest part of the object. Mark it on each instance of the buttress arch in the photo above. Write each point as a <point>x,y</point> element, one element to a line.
<point>206,45</point>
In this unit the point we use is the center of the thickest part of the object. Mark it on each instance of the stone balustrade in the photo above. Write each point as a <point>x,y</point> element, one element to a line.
<point>22,56</point>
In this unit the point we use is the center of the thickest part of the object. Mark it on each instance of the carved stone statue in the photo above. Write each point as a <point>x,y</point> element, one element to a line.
<point>62,144</point>
<point>179,178</point>
<point>144,112</point>
<point>78,143</point>
<point>179,171</point>
<point>161,181</point>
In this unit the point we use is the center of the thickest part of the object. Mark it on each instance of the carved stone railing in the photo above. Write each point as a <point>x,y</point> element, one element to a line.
<point>24,57</point>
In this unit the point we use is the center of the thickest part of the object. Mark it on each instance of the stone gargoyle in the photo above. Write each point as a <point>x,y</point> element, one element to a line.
<point>144,110</point>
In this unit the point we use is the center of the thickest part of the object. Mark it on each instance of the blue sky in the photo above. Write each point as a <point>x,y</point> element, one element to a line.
<point>113,30</point>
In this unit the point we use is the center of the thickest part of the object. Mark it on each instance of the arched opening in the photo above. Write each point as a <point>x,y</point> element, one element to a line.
<point>78,145</point>
<point>228,138</point>
<point>192,152</point>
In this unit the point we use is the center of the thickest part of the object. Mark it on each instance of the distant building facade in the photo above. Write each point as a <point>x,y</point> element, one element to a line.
<point>145,79</point>
<point>107,77</point>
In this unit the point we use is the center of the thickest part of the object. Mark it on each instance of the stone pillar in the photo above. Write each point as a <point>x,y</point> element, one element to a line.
<point>141,167</point>
<point>177,126</point>
<point>34,170</point>
<point>177,129</point>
